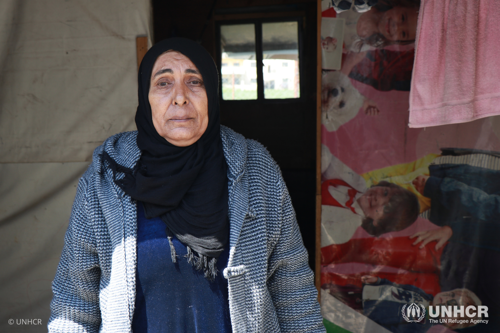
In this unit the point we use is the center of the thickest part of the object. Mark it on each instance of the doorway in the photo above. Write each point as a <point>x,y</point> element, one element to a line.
<point>285,125</point>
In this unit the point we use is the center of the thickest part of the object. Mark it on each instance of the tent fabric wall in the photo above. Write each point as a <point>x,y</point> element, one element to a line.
<point>68,81</point>
<point>68,76</point>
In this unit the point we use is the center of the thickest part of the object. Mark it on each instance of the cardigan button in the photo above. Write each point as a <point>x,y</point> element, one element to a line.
<point>234,271</point>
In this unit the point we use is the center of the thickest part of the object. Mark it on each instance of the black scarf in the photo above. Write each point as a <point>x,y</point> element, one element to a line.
<point>185,186</point>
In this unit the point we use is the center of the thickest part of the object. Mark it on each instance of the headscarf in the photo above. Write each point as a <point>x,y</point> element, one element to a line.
<point>185,186</point>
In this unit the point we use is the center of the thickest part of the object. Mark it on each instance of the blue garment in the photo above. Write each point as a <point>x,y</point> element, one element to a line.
<point>175,298</point>
<point>467,199</point>
<point>386,309</point>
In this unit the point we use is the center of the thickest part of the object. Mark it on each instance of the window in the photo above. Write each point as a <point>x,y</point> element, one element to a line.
<point>273,45</point>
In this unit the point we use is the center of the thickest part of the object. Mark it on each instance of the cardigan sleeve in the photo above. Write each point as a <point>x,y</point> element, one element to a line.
<point>75,304</point>
<point>291,281</point>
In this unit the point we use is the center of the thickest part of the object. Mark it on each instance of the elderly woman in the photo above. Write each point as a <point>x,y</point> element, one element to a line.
<point>183,225</point>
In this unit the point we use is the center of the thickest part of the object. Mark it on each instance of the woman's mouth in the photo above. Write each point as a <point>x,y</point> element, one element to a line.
<point>180,119</point>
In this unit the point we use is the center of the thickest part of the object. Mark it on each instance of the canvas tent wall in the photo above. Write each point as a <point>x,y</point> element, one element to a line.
<point>67,82</point>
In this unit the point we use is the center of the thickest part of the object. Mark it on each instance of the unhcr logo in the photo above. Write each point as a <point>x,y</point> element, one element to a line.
<point>413,313</point>
<point>470,311</point>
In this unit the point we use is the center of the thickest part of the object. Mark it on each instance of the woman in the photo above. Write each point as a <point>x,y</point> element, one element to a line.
<point>182,226</point>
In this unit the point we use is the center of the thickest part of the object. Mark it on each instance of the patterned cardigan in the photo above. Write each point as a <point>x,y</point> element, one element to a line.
<point>270,283</point>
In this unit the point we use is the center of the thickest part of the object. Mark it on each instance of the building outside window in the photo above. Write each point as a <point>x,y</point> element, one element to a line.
<point>275,45</point>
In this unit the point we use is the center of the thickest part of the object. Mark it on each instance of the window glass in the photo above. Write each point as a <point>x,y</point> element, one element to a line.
<point>280,46</point>
<point>239,71</point>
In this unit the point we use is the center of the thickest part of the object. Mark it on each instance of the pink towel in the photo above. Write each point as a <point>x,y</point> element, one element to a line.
<point>456,76</point>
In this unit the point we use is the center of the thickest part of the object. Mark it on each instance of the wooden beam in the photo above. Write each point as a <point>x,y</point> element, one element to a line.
<point>248,16</point>
<point>141,44</point>
<point>317,275</point>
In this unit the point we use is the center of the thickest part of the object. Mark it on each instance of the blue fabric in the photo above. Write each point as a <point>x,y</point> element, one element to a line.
<point>387,311</point>
<point>175,297</point>
<point>467,199</point>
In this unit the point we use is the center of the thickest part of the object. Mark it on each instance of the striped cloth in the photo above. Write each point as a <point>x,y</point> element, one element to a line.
<point>270,284</point>
<point>487,161</point>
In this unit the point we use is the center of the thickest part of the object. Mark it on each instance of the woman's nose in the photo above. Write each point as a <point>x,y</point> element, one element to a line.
<point>180,96</point>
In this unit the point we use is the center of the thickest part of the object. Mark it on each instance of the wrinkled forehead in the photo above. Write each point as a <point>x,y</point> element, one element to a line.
<point>171,61</point>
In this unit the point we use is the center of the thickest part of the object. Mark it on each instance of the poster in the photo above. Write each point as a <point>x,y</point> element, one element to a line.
<point>410,223</point>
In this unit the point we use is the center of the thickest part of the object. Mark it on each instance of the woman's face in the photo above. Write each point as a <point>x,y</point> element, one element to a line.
<point>399,24</point>
<point>178,99</point>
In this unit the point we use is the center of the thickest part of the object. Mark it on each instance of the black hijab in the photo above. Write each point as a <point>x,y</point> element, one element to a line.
<point>185,186</point>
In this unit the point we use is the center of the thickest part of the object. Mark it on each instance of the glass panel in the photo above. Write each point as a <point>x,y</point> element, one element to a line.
<point>238,70</point>
<point>280,45</point>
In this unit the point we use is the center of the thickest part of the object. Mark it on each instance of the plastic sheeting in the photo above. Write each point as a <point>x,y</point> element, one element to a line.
<point>68,81</point>
<point>409,219</point>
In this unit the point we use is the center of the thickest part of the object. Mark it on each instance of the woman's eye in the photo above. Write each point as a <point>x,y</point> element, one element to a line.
<point>386,192</point>
<point>163,83</point>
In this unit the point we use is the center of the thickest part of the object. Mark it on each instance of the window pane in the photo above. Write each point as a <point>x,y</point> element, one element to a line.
<point>280,45</point>
<point>238,70</point>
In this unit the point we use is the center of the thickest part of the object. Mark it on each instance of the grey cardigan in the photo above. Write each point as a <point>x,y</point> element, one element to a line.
<point>270,284</point>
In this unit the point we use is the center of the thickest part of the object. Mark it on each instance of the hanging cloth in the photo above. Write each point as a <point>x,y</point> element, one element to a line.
<point>457,62</point>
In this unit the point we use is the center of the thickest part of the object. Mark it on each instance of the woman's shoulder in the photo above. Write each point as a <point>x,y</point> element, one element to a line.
<point>248,155</point>
<point>121,147</point>
<point>235,144</point>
